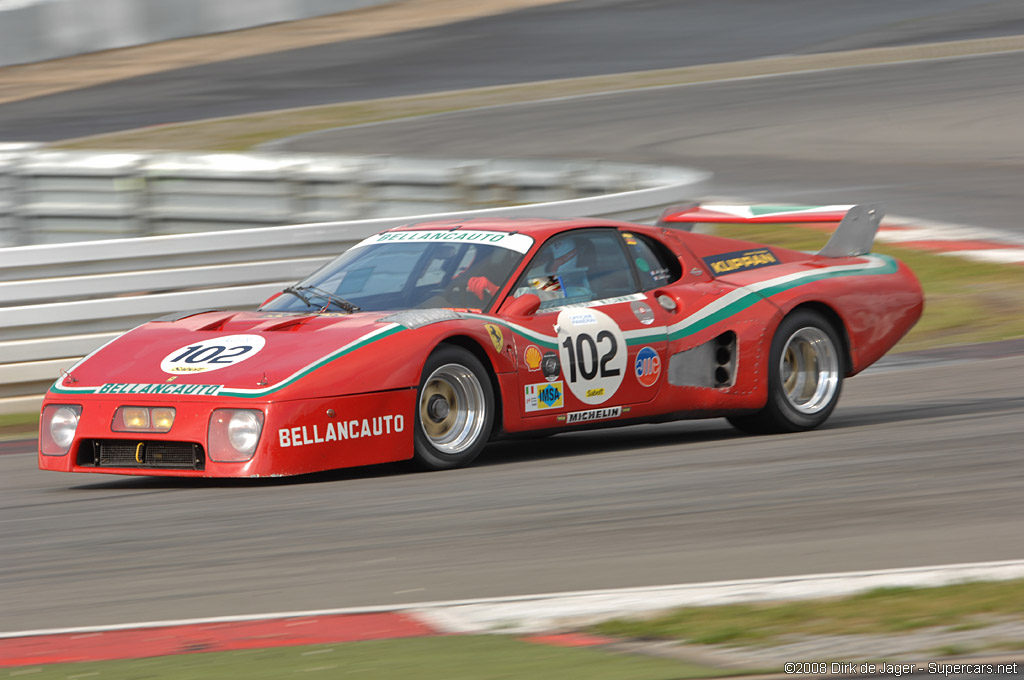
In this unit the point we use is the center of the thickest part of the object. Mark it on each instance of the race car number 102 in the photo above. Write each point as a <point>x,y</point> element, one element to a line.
<point>592,350</point>
<point>586,345</point>
<point>212,354</point>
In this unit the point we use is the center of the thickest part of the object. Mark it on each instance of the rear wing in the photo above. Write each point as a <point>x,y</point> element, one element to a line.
<point>854,235</point>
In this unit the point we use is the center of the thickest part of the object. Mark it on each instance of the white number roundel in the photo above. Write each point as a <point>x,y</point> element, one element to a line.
<point>212,354</point>
<point>593,351</point>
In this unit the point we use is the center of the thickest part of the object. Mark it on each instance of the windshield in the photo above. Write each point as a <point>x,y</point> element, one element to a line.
<point>459,269</point>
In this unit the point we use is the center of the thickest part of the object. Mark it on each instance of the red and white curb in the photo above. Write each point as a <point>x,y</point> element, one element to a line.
<point>540,617</point>
<point>979,244</point>
<point>971,243</point>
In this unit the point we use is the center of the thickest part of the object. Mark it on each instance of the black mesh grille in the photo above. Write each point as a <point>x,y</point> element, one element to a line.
<point>141,454</point>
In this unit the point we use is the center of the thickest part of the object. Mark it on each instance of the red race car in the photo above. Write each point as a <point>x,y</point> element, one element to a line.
<point>426,341</point>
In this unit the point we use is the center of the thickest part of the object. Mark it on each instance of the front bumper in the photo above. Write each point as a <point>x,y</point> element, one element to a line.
<point>298,437</point>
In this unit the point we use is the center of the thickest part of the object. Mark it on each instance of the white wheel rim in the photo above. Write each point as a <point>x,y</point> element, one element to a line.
<point>452,408</point>
<point>809,370</point>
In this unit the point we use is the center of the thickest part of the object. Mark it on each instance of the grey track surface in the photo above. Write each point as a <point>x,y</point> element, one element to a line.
<point>938,140</point>
<point>587,37</point>
<point>918,466</point>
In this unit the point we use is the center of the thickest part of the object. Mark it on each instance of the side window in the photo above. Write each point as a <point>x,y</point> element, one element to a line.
<point>578,267</point>
<point>655,264</point>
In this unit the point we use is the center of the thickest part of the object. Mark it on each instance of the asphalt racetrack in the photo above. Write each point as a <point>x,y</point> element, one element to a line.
<point>920,464</point>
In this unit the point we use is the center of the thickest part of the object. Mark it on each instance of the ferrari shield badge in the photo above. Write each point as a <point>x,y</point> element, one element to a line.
<point>496,337</point>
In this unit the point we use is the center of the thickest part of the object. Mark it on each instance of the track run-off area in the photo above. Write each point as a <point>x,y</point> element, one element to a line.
<point>918,466</point>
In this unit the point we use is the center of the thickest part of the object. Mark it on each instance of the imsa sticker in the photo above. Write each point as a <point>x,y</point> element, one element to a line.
<point>543,396</point>
<point>740,260</point>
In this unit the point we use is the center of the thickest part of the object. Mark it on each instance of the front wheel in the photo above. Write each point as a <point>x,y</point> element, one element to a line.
<point>454,409</point>
<point>805,377</point>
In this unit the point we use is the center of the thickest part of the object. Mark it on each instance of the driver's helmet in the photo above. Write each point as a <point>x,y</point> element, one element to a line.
<point>565,255</point>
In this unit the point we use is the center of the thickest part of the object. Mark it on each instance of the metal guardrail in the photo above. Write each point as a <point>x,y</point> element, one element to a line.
<point>60,301</point>
<point>53,196</point>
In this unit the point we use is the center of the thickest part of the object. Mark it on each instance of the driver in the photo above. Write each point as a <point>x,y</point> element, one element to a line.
<point>497,263</point>
<point>559,275</point>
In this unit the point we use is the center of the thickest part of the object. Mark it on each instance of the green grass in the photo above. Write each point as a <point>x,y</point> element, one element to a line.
<point>954,650</point>
<point>881,611</point>
<point>18,425</point>
<point>485,657</point>
<point>965,302</point>
<point>489,657</point>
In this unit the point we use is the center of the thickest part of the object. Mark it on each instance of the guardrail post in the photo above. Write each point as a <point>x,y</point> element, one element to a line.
<point>139,183</point>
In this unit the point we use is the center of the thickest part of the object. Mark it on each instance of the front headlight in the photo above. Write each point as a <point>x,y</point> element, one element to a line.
<point>142,419</point>
<point>234,434</point>
<point>57,428</point>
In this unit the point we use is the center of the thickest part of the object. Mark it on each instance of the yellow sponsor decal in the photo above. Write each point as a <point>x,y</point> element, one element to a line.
<point>532,357</point>
<point>496,336</point>
<point>595,392</point>
<point>727,263</point>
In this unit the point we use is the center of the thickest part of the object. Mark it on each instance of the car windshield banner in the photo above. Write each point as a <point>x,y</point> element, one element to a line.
<point>517,242</point>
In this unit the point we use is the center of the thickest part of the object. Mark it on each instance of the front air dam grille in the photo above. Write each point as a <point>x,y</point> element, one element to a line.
<point>128,453</point>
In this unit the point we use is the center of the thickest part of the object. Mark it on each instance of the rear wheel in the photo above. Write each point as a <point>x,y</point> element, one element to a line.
<point>805,377</point>
<point>454,409</point>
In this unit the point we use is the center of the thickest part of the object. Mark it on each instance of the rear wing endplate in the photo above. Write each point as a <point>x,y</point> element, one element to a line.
<point>854,236</point>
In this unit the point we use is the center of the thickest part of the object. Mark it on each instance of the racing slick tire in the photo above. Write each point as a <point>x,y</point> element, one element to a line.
<point>805,377</point>
<point>454,409</point>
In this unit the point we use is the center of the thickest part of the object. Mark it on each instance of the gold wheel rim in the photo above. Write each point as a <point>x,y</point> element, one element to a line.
<point>457,424</point>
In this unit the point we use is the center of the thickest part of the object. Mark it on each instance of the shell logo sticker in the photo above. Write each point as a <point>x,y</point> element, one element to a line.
<point>647,367</point>
<point>212,354</point>
<point>532,357</point>
<point>592,350</point>
<point>497,339</point>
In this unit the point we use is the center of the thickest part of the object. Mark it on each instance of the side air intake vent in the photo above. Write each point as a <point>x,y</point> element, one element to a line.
<point>712,364</point>
<point>725,358</point>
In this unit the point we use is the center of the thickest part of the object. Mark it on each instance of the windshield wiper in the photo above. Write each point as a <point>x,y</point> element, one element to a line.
<point>331,298</point>
<point>295,291</point>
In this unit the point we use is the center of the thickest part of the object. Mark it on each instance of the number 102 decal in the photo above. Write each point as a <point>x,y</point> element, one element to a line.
<point>212,354</point>
<point>593,351</point>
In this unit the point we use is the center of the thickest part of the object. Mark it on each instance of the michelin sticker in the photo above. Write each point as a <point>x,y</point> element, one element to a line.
<point>596,414</point>
<point>212,354</point>
<point>592,350</point>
